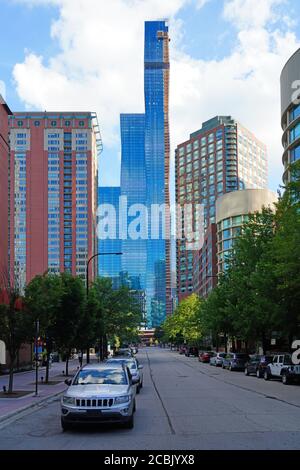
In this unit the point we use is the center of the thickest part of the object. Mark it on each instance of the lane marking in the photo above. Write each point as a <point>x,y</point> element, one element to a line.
<point>159,397</point>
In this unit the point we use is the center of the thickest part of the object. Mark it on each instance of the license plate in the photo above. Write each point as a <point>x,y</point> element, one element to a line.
<point>94,413</point>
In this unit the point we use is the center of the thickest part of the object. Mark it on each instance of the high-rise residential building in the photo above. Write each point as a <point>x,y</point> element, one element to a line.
<point>53,195</point>
<point>232,211</point>
<point>145,177</point>
<point>221,157</point>
<point>110,265</point>
<point>205,270</point>
<point>4,188</point>
<point>290,113</point>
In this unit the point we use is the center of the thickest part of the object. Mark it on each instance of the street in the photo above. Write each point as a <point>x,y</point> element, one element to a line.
<point>184,405</point>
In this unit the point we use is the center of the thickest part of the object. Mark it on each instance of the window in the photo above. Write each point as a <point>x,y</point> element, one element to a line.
<point>196,144</point>
<point>20,123</point>
<point>295,113</point>
<point>226,223</point>
<point>67,123</point>
<point>37,123</point>
<point>237,220</point>
<point>81,123</point>
<point>295,154</point>
<point>211,138</point>
<point>53,123</point>
<point>295,133</point>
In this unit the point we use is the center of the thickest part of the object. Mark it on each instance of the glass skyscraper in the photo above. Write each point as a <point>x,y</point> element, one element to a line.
<point>145,177</point>
<point>110,266</point>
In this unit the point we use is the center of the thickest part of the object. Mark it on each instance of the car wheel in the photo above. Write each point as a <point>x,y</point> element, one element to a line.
<point>134,407</point>
<point>138,389</point>
<point>65,426</point>
<point>246,371</point>
<point>285,379</point>
<point>258,374</point>
<point>130,423</point>
<point>141,385</point>
<point>223,367</point>
<point>266,375</point>
<point>230,368</point>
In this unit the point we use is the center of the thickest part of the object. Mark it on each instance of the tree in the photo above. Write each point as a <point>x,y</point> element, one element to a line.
<point>117,313</point>
<point>68,318</point>
<point>285,254</point>
<point>13,324</point>
<point>42,302</point>
<point>184,324</point>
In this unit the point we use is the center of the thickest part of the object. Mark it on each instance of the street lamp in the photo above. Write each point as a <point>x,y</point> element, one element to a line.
<point>87,285</point>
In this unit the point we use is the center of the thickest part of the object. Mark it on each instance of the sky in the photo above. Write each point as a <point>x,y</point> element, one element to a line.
<point>226,58</point>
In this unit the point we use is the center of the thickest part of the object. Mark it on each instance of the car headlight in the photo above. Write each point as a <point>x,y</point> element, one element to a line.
<point>119,400</point>
<point>68,400</point>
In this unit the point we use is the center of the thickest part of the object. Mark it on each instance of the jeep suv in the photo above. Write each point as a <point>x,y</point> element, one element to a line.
<point>97,394</point>
<point>282,368</point>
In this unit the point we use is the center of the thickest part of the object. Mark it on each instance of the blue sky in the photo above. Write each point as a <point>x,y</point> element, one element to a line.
<point>226,58</point>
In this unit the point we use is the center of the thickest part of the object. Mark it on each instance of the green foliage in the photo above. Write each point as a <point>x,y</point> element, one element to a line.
<point>185,323</point>
<point>260,291</point>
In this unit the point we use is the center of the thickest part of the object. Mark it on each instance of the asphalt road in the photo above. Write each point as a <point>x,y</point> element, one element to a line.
<point>183,405</point>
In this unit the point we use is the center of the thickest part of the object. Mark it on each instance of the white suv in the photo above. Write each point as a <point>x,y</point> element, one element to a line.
<point>97,394</point>
<point>282,368</point>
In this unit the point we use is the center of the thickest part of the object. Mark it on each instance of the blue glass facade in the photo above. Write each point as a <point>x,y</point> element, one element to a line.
<point>145,175</point>
<point>133,187</point>
<point>110,266</point>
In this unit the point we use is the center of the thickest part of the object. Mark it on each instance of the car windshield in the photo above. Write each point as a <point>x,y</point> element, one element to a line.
<point>127,362</point>
<point>222,354</point>
<point>111,376</point>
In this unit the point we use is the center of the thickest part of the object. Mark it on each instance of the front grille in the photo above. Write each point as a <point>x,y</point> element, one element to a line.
<point>93,403</point>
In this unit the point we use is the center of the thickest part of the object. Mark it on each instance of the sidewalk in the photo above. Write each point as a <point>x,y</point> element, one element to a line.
<point>26,381</point>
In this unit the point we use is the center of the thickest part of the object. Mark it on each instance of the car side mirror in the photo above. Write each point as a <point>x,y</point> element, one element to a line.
<point>134,380</point>
<point>141,367</point>
<point>68,382</point>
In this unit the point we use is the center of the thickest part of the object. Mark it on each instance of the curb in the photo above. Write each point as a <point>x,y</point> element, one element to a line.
<point>27,407</point>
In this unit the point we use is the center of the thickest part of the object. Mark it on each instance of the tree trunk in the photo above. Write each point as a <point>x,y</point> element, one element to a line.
<point>88,355</point>
<point>101,349</point>
<point>225,340</point>
<point>47,367</point>
<point>67,363</point>
<point>11,372</point>
<point>264,342</point>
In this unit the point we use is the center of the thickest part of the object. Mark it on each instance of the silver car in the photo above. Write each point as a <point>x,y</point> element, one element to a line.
<point>217,359</point>
<point>99,393</point>
<point>135,368</point>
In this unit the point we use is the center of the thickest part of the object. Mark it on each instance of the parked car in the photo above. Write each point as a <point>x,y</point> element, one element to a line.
<point>257,365</point>
<point>182,349</point>
<point>98,394</point>
<point>191,351</point>
<point>282,368</point>
<point>123,352</point>
<point>135,368</point>
<point>217,359</point>
<point>235,361</point>
<point>205,356</point>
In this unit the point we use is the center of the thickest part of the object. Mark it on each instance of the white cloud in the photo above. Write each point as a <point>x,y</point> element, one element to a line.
<point>100,68</point>
<point>251,13</point>
<point>201,3</point>
<point>2,89</point>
